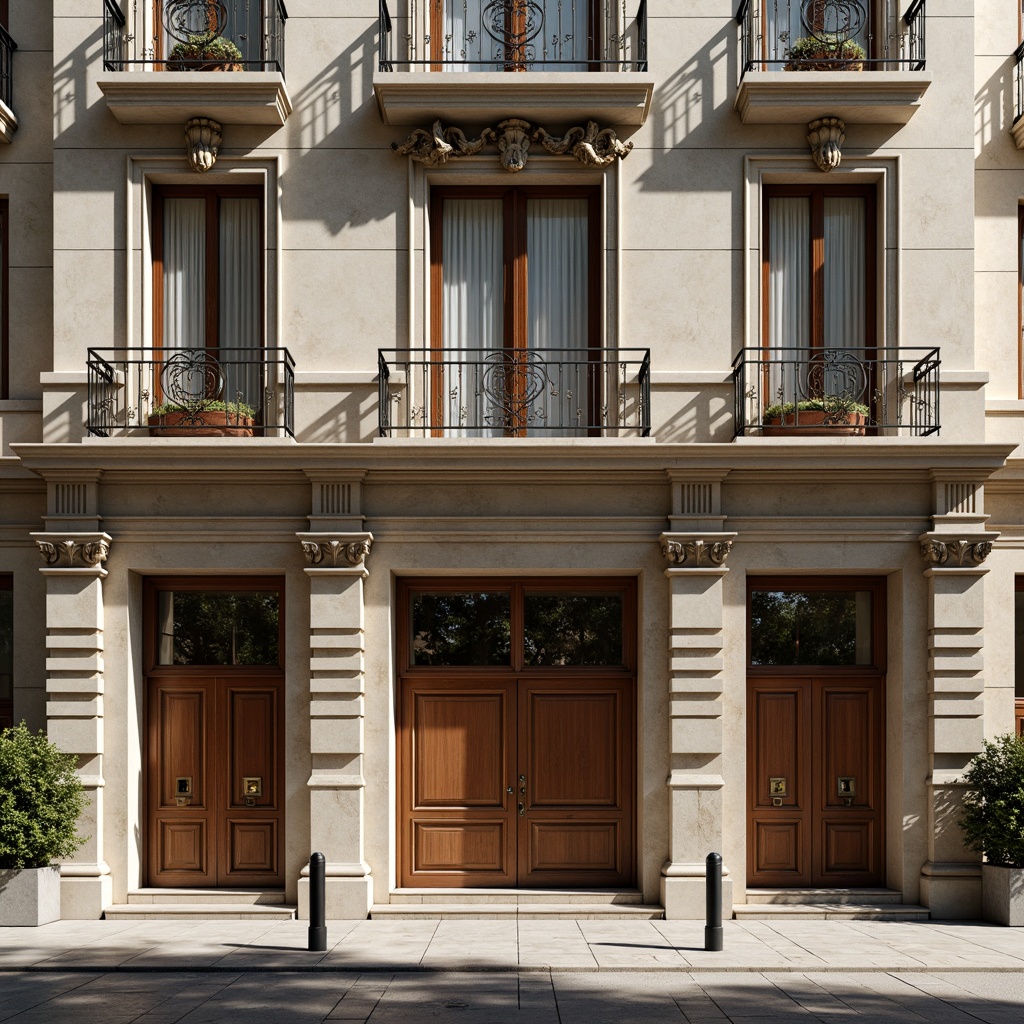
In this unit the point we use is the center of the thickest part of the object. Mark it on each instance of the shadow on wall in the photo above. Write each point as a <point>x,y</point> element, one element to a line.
<point>993,111</point>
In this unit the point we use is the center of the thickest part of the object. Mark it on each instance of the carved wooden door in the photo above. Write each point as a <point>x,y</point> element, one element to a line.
<point>815,781</point>
<point>215,781</point>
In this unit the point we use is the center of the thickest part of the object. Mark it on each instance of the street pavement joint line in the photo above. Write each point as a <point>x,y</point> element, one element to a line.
<point>554,995</point>
<point>874,994</point>
<point>942,999</point>
<point>429,942</point>
<point>51,995</point>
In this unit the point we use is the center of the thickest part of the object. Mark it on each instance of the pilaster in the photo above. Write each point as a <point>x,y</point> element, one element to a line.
<point>954,553</point>
<point>696,680</point>
<point>336,567</point>
<point>74,684</point>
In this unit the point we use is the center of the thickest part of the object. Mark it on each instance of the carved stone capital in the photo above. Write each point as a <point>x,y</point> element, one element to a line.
<point>203,138</point>
<point>592,145</point>
<point>959,552</point>
<point>826,136</point>
<point>74,550</point>
<point>692,551</point>
<point>340,551</point>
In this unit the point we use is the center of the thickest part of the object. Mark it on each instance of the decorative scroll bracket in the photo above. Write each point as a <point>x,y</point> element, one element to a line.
<point>696,551</point>
<point>203,138</point>
<point>592,145</point>
<point>956,553</point>
<point>81,551</point>
<point>826,136</point>
<point>342,551</point>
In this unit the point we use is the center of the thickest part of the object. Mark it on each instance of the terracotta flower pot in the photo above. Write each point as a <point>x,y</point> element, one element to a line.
<point>208,423</point>
<point>815,423</point>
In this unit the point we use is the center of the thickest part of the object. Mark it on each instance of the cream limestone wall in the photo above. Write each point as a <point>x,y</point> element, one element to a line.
<point>347,273</point>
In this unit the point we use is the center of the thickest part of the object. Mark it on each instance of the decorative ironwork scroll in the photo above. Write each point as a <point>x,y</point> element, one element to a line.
<point>833,21</point>
<point>184,18</point>
<point>510,383</point>
<point>514,25</point>
<point>191,376</point>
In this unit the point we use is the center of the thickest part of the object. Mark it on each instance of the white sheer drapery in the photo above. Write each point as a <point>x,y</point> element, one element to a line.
<point>557,310</point>
<point>472,310</point>
<point>239,304</point>
<point>789,271</point>
<point>184,270</point>
<point>845,273</point>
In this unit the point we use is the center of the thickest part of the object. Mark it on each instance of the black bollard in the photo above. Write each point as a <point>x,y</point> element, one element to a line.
<point>317,903</point>
<point>713,939</point>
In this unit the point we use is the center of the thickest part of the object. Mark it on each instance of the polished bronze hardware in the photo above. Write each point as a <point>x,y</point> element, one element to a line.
<point>252,787</point>
<point>183,790</point>
<point>846,786</point>
<point>777,790</point>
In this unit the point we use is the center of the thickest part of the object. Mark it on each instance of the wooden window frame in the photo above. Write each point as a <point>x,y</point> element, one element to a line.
<point>817,195</point>
<point>515,258</point>
<point>1020,299</point>
<point>516,62</point>
<point>5,291</point>
<point>876,585</point>
<point>212,194</point>
<point>153,585</point>
<point>7,703</point>
<point>516,588</point>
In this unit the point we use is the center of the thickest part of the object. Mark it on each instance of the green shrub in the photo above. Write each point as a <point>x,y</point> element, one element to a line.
<point>828,47</point>
<point>40,800</point>
<point>205,405</point>
<point>993,816</point>
<point>838,406</point>
<point>202,49</point>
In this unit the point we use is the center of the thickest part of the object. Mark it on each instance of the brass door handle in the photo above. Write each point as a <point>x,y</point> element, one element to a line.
<point>522,784</point>
<point>522,809</point>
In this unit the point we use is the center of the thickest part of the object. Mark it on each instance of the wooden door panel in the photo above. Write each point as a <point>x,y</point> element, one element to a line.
<point>252,846</point>
<point>457,749</point>
<point>461,755</point>
<point>848,848</point>
<point>572,744</point>
<point>182,847</point>
<point>779,845</point>
<point>575,847</point>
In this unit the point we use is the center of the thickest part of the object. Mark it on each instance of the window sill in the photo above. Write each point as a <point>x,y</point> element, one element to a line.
<point>418,97</point>
<point>858,97</point>
<point>171,97</point>
<point>8,123</point>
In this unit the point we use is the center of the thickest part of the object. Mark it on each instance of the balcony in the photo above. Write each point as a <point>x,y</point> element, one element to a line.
<point>151,74</point>
<point>1017,128</point>
<point>8,122</point>
<point>858,60</point>
<point>182,392</point>
<point>515,393</point>
<point>802,392</point>
<point>580,59</point>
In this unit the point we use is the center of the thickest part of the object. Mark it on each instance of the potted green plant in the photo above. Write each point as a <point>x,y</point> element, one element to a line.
<point>827,52</point>
<point>205,53</point>
<point>40,801</point>
<point>203,417</point>
<point>827,416</point>
<point>992,821</point>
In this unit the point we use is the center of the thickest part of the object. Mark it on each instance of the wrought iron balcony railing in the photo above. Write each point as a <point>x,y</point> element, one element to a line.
<point>515,393</point>
<point>831,35</point>
<point>7,48</point>
<point>179,390</point>
<point>157,36</point>
<point>1018,83</point>
<point>879,392</point>
<point>515,35</point>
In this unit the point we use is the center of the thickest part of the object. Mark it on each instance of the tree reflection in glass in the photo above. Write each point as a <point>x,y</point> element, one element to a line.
<point>823,627</point>
<point>572,629</point>
<point>216,627</point>
<point>461,628</point>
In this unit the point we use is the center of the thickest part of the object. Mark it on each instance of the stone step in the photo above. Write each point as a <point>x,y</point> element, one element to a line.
<point>199,912</point>
<point>521,897</point>
<point>515,912</point>
<point>830,912</point>
<point>264,897</point>
<point>818,896</point>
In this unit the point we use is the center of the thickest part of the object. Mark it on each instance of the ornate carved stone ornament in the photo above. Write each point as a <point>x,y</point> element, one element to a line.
<point>959,553</point>
<point>825,137</point>
<point>694,553</point>
<point>203,137</point>
<point>336,552</point>
<point>594,146</point>
<point>74,554</point>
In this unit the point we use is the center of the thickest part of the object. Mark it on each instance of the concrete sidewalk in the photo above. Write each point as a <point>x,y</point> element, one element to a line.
<point>513,946</point>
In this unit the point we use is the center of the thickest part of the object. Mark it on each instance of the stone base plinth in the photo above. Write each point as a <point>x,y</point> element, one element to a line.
<point>951,897</point>
<point>347,899</point>
<point>1002,895</point>
<point>29,897</point>
<point>685,899</point>
<point>85,899</point>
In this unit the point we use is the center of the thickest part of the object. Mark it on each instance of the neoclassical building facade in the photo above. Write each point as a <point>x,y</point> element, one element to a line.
<point>514,448</point>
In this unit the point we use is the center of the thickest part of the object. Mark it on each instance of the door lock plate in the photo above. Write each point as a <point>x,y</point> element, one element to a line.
<point>777,790</point>
<point>252,787</point>
<point>183,790</point>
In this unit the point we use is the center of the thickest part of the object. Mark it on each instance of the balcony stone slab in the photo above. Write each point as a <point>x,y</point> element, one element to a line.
<point>8,123</point>
<point>172,97</point>
<point>858,97</point>
<point>547,97</point>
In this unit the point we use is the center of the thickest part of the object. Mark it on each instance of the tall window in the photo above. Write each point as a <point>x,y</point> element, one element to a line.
<point>513,35</point>
<point>6,652</point>
<point>5,383</point>
<point>240,21</point>
<point>208,280</point>
<point>514,282</point>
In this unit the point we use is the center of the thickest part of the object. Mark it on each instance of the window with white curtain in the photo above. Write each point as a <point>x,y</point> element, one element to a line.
<point>4,321</point>
<point>208,284</point>
<point>514,284</point>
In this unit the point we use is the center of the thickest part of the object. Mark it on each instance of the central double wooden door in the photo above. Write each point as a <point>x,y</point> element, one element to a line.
<point>215,781</point>
<point>815,780</point>
<point>517,782</point>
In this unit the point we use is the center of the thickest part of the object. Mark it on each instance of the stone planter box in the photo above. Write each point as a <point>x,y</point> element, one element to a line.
<point>29,897</point>
<point>1002,895</point>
